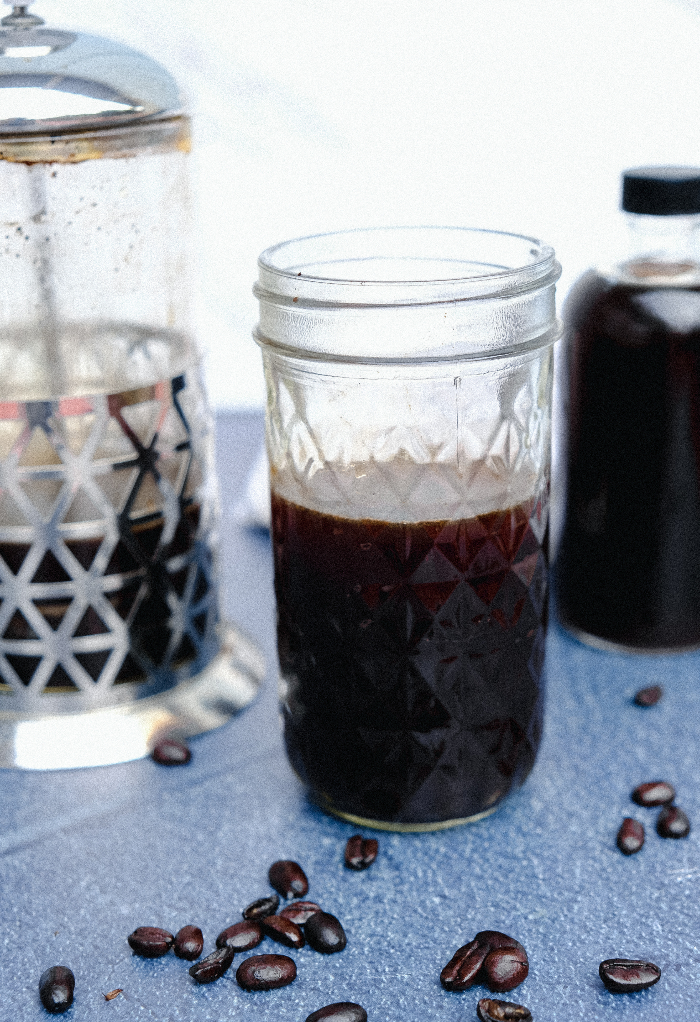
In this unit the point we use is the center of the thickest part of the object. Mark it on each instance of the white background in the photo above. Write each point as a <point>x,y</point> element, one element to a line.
<point>318,115</point>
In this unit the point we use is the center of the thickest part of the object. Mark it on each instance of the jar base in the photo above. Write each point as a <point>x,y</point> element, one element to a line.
<point>117,734</point>
<point>401,828</point>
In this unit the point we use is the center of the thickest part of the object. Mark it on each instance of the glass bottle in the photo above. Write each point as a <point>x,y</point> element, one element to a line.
<point>628,568</point>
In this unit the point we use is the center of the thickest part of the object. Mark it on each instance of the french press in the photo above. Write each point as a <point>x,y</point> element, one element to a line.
<point>110,629</point>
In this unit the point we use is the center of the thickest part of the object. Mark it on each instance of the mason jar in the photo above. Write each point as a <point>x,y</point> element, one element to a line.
<point>409,376</point>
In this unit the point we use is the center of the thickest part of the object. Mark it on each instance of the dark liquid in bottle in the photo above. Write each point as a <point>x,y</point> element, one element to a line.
<point>411,655</point>
<point>628,570</point>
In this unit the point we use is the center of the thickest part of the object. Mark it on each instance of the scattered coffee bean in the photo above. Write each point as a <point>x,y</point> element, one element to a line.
<point>262,907</point>
<point>213,966</point>
<point>113,993</point>
<point>266,972</point>
<point>241,936</point>
<point>56,987</point>
<point>654,793</point>
<point>360,852</point>
<point>300,911</point>
<point>343,1011</point>
<point>325,933</point>
<point>288,879</point>
<point>170,752</point>
<point>489,1010</point>
<point>649,696</point>
<point>189,943</point>
<point>504,969</point>
<point>284,931</point>
<point>625,976</point>
<point>630,836</point>
<point>672,822</point>
<point>150,941</point>
<point>462,969</point>
<point>507,963</point>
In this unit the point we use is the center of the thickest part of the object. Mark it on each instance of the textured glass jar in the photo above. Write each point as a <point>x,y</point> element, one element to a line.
<point>110,631</point>
<point>408,429</point>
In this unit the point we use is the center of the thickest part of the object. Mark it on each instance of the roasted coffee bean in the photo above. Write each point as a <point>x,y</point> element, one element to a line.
<point>241,936</point>
<point>288,879</point>
<point>213,966</point>
<point>324,933</point>
<point>489,1010</point>
<point>504,969</point>
<point>150,941</point>
<point>262,907</point>
<point>630,836</point>
<point>189,943</point>
<point>343,1011</point>
<point>56,987</point>
<point>300,911</point>
<point>649,696</point>
<point>284,931</point>
<point>462,969</point>
<point>467,966</point>
<point>360,852</point>
<point>625,976</point>
<point>654,793</point>
<point>170,752</point>
<point>266,972</point>
<point>672,822</point>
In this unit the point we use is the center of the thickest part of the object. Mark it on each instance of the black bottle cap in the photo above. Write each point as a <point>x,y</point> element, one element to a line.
<point>661,191</point>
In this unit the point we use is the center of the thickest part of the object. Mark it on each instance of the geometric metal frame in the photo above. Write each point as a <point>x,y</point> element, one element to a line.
<point>107,546</point>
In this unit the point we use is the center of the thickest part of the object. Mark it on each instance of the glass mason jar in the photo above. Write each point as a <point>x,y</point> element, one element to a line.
<point>110,631</point>
<point>408,428</point>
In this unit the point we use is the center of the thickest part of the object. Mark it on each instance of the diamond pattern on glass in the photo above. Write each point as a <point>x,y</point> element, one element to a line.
<point>106,560</point>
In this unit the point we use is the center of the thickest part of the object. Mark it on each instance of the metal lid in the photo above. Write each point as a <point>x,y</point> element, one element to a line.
<point>53,81</point>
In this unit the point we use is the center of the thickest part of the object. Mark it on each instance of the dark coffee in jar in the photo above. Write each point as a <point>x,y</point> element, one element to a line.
<point>411,658</point>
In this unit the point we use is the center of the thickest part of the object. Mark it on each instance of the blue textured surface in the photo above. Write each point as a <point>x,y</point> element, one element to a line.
<point>89,855</point>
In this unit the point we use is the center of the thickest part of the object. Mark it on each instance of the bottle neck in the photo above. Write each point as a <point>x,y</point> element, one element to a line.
<point>663,248</point>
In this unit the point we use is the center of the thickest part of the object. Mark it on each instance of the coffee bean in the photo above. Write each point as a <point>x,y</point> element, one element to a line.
<point>170,752</point>
<point>56,987</point>
<point>150,941</point>
<point>630,836</point>
<point>325,933</point>
<point>241,936</point>
<point>462,969</point>
<point>213,966</point>
<point>504,969</point>
<point>626,976</point>
<point>343,1011</point>
<point>300,911</point>
<point>262,907</point>
<point>360,852</point>
<point>508,963</point>
<point>489,1010</point>
<point>266,972</point>
<point>189,943</point>
<point>672,822</point>
<point>649,696</point>
<point>654,793</point>
<point>284,931</point>
<point>288,879</point>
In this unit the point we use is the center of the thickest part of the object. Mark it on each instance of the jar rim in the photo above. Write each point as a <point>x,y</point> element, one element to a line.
<point>370,266</point>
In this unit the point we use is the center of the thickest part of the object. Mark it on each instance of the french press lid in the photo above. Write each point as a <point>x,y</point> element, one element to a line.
<point>53,81</point>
